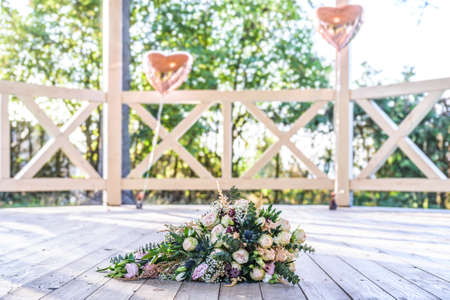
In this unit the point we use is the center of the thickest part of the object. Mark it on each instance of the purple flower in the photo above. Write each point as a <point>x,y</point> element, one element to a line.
<point>132,270</point>
<point>231,212</point>
<point>234,273</point>
<point>270,268</point>
<point>199,271</point>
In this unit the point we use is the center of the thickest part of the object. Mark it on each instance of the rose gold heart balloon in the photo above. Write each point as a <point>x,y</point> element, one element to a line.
<point>339,25</point>
<point>167,72</point>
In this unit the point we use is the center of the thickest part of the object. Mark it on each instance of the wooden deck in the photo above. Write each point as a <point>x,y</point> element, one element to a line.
<point>362,253</point>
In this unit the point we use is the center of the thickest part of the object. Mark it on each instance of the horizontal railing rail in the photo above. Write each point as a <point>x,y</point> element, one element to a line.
<point>24,180</point>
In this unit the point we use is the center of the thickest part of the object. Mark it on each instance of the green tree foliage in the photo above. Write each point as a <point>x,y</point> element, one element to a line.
<point>237,45</point>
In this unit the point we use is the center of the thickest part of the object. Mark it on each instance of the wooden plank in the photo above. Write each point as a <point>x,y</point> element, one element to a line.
<point>283,137</point>
<point>60,140</point>
<point>17,258</point>
<point>315,283</point>
<point>403,88</point>
<point>352,282</point>
<point>51,184</point>
<point>5,143</point>
<point>263,160</point>
<point>78,118</point>
<point>155,289</point>
<point>18,272</point>
<point>204,96</point>
<point>35,90</point>
<point>112,85</point>
<point>184,154</point>
<point>117,290</point>
<point>424,280</point>
<point>171,140</point>
<point>406,145</point>
<point>91,281</point>
<point>395,285</point>
<point>39,159</point>
<point>281,292</point>
<point>401,184</point>
<point>56,279</point>
<point>240,291</point>
<point>227,153</point>
<point>198,291</point>
<point>241,183</point>
<point>302,121</point>
<point>406,127</point>
<point>18,235</point>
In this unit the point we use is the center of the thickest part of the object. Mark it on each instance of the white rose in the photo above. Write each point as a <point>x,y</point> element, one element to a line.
<point>257,274</point>
<point>261,221</point>
<point>285,226</point>
<point>267,278</point>
<point>209,219</point>
<point>299,236</point>
<point>265,241</point>
<point>180,277</point>
<point>283,238</point>
<point>218,229</point>
<point>227,220</point>
<point>240,256</point>
<point>235,265</point>
<point>292,267</point>
<point>241,204</point>
<point>189,244</point>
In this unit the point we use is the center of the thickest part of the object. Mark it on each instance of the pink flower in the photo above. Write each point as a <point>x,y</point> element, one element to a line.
<point>132,270</point>
<point>199,271</point>
<point>270,268</point>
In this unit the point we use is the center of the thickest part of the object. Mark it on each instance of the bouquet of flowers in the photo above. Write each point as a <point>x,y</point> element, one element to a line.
<point>235,241</point>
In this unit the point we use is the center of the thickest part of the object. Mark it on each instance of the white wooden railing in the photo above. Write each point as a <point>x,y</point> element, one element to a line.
<point>24,180</point>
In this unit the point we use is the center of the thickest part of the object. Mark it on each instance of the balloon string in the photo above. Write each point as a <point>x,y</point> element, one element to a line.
<point>154,141</point>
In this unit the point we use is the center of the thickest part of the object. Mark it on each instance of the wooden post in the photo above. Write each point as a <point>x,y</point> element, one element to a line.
<point>4,138</point>
<point>227,170</point>
<point>343,119</point>
<point>112,85</point>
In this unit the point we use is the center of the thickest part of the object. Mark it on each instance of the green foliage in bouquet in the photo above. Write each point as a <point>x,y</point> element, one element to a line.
<point>235,241</point>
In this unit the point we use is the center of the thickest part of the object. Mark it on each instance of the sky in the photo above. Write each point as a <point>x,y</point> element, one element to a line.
<point>396,34</point>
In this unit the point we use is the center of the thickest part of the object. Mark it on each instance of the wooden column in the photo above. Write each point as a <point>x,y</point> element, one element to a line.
<point>227,171</point>
<point>343,119</point>
<point>4,137</point>
<point>112,85</point>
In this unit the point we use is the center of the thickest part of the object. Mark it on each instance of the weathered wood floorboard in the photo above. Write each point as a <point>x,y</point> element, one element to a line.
<point>53,253</point>
<point>54,280</point>
<point>241,291</point>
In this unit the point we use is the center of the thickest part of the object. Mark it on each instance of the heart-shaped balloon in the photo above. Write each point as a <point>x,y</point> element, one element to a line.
<point>167,72</point>
<point>339,25</point>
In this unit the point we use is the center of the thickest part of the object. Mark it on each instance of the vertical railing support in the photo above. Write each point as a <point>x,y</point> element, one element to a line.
<point>4,138</point>
<point>112,85</point>
<point>227,171</point>
<point>343,119</point>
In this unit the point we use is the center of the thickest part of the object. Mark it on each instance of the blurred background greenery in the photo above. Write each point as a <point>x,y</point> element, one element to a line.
<point>237,45</point>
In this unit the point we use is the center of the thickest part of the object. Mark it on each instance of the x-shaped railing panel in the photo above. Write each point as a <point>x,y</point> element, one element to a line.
<point>59,140</point>
<point>398,136</point>
<point>170,141</point>
<point>284,139</point>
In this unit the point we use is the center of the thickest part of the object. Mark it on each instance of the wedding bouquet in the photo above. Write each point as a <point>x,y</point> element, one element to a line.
<point>235,241</point>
